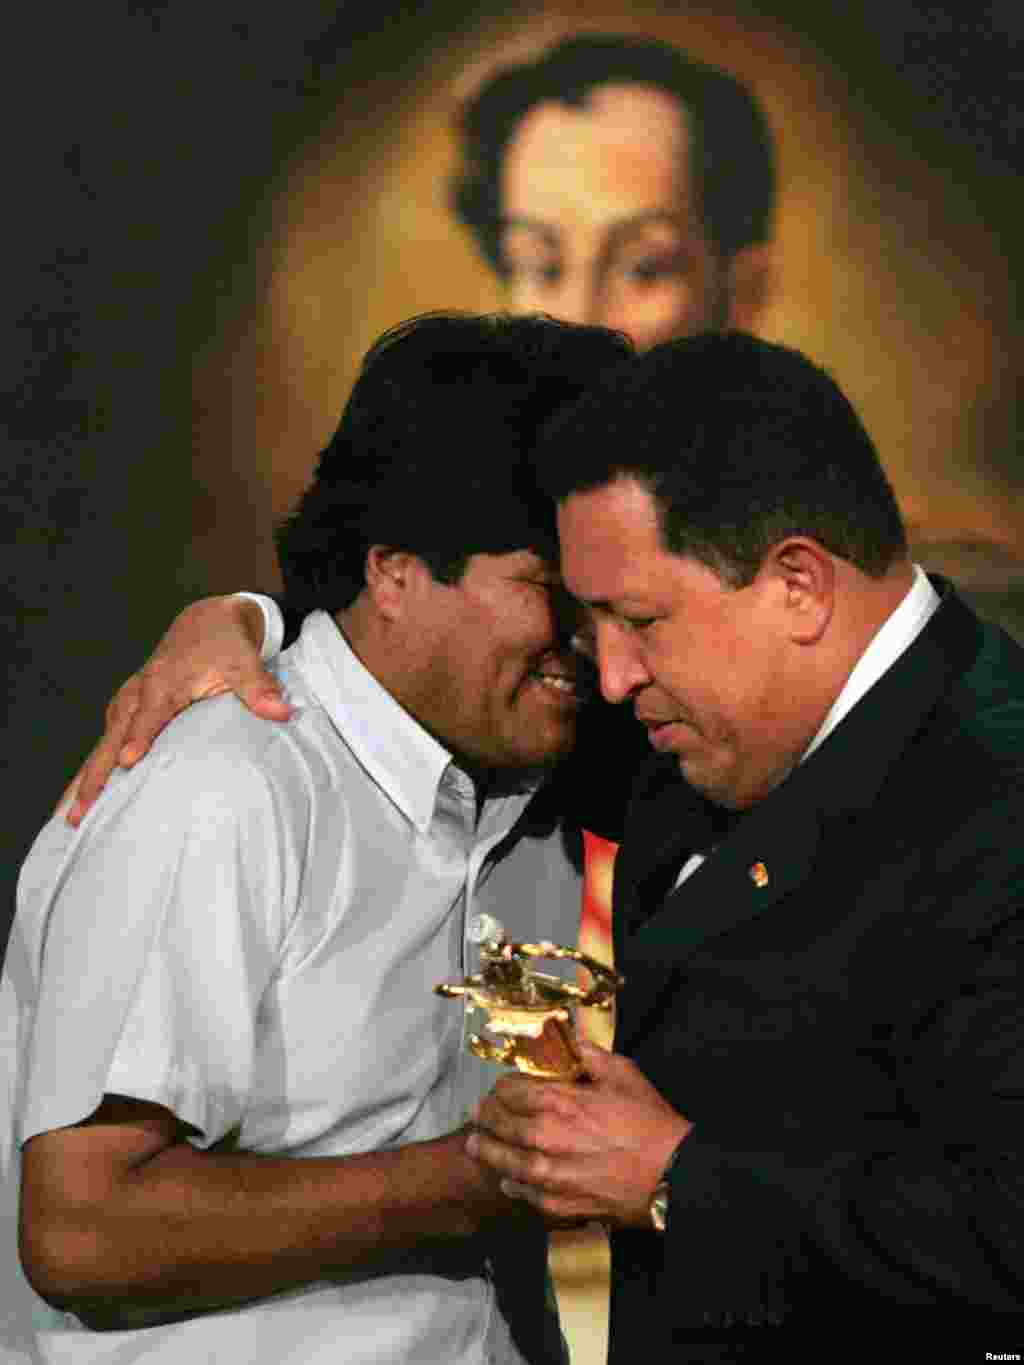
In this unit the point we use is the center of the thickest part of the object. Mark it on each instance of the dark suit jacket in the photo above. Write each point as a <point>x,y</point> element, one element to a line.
<point>846,1036</point>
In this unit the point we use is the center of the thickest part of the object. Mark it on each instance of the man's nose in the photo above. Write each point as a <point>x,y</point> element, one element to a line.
<point>580,298</point>
<point>621,669</point>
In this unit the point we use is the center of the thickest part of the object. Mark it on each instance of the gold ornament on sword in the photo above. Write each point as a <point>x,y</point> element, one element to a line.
<point>530,1016</point>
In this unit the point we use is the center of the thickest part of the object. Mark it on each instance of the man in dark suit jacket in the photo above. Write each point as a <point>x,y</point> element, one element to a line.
<point>813,1131</point>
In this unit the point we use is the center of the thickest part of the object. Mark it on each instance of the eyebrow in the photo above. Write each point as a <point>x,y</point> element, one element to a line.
<point>620,228</point>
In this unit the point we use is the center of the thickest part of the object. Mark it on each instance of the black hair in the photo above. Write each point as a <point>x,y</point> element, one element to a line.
<point>732,156</point>
<point>741,443</point>
<point>432,452</point>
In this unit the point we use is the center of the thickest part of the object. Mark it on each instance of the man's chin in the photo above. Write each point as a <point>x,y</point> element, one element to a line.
<point>547,746</point>
<point>711,785</point>
<point>719,789</point>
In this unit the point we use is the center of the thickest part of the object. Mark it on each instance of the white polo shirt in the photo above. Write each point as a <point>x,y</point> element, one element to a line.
<point>247,929</point>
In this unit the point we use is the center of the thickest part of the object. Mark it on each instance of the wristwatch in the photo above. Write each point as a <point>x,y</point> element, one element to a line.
<point>658,1204</point>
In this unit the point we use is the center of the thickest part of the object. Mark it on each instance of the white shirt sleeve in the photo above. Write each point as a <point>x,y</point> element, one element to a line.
<point>145,942</point>
<point>273,624</point>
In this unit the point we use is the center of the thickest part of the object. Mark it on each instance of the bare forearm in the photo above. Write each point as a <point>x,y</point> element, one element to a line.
<point>188,1230</point>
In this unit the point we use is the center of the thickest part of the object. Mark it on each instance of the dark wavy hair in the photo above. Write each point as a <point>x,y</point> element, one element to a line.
<point>732,154</point>
<point>432,452</point>
<point>741,443</point>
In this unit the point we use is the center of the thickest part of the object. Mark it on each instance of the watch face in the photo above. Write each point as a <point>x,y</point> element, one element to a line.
<point>659,1207</point>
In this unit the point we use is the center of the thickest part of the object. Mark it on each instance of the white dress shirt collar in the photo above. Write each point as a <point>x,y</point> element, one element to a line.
<point>896,635</point>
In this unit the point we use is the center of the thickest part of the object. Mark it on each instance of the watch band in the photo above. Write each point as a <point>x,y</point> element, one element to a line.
<point>659,1206</point>
<point>659,1201</point>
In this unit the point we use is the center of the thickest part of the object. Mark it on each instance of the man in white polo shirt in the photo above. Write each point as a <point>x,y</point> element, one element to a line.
<point>237,1099</point>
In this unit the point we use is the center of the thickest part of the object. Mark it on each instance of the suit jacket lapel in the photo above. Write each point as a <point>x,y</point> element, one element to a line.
<point>767,857</point>
<point>666,822</point>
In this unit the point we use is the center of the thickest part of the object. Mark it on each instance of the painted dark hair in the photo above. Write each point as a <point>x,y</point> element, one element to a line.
<point>732,158</point>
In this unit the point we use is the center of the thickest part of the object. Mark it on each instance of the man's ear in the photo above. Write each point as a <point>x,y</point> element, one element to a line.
<point>751,284</point>
<point>806,578</point>
<point>392,579</point>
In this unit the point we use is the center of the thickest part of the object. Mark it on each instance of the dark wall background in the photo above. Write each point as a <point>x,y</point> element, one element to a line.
<point>140,144</point>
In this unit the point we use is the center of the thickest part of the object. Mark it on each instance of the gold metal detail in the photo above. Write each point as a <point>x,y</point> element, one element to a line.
<point>530,1016</point>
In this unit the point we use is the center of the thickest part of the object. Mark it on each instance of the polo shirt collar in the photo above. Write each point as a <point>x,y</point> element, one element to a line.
<point>395,750</point>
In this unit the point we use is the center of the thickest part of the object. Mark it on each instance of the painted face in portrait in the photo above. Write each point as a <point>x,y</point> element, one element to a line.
<point>710,670</point>
<point>496,682</point>
<point>600,221</point>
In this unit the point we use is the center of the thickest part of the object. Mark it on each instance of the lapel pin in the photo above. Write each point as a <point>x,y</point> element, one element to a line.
<point>758,874</point>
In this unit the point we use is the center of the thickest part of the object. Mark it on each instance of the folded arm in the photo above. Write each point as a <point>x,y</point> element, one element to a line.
<point>121,1215</point>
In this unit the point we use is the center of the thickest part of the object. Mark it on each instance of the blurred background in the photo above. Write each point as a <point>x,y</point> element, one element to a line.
<point>212,210</point>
